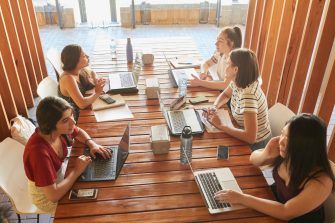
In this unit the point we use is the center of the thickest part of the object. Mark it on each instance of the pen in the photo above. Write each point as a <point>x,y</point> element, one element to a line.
<point>184,63</point>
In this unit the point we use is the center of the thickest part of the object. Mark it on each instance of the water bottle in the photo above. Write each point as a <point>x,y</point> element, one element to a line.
<point>129,51</point>
<point>182,85</point>
<point>112,47</point>
<point>186,145</point>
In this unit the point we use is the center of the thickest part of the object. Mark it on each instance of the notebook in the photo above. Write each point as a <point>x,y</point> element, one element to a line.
<point>185,62</point>
<point>123,82</point>
<point>178,119</point>
<point>99,104</point>
<point>224,118</point>
<point>108,169</point>
<point>210,181</point>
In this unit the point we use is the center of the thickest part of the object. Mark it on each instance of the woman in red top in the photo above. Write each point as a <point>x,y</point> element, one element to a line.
<point>46,150</point>
<point>302,173</point>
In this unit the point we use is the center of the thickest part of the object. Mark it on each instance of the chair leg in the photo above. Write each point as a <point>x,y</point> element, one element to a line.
<point>38,218</point>
<point>19,218</point>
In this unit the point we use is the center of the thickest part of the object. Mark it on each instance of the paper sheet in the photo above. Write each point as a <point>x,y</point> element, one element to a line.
<point>111,114</point>
<point>224,117</point>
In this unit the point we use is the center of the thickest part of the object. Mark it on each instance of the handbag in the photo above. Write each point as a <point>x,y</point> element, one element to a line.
<point>21,129</point>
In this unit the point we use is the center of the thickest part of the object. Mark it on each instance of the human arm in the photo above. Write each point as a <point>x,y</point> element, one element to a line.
<point>313,195</point>
<point>267,155</point>
<point>216,85</point>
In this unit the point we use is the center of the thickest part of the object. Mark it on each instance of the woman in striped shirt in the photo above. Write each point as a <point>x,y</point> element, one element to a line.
<point>248,103</point>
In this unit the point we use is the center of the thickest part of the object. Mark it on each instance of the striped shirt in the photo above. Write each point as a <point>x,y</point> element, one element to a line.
<point>251,99</point>
<point>221,62</point>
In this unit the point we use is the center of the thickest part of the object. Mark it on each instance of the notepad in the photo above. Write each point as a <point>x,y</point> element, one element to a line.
<point>185,62</point>
<point>99,104</point>
<point>224,117</point>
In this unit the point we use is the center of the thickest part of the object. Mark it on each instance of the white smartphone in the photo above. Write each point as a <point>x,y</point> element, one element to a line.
<point>78,194</point>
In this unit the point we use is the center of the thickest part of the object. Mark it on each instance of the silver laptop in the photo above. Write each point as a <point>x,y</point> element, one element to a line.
<point>210,181</point>
<point>178,119</point>
<point>121,82</point>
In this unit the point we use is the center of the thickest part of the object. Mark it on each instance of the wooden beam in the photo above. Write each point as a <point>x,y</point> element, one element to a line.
<point>21,31</point>
<point>320,62</point>
<point>5,126</point>
<point>257,25</point>
<point>331,147</point>
<point>8,61</point>
<point>250,22</point>
<point>305,54</point>
<point>280,52</point>
<point>291,59</point>
<point>17,53</point>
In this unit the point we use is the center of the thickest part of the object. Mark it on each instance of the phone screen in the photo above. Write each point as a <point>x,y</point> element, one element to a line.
<point>223,152</point>
<point>77,194</point>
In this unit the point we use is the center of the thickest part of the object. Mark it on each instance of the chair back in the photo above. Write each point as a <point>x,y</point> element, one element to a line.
<point>54,57</point>
<point>47,87</point>
<point>13,180</point>
<point>330,203</point>
<point>279,114</point>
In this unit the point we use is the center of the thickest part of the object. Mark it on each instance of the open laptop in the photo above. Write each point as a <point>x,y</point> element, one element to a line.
<point>210,181</point>
<point>108,169</point>
<point>123,82</point>
<point>178,119</point>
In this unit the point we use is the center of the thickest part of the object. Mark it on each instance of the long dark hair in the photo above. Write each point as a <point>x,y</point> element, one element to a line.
<point>247,64</point>
<point>306,152</point>
<point>70,56</point>
<point>234,36</point>
<point>49,111</point>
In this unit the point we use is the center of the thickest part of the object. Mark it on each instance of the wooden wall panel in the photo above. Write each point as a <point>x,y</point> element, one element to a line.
<point>271,43</point>
<point>291,59</point>
<point>31,40</point>
<point>268,10</point>
<point>306,50</point>
<point>37,38</point>
<point>320,63</point>
<point>10,68</point>
<point>257,25</point>
<point>4,130</point>
<point>6,93</point>
<point>331,147</point>
<point>17,53</point>
<point>24,45</point>
<point>249,23</point>
<point>281,50</point>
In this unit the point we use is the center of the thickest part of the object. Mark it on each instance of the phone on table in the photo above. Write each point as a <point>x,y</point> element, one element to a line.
<point>198,100</point>
<point>83,194</point>
<point>107,98</point>
<point>223,152</point>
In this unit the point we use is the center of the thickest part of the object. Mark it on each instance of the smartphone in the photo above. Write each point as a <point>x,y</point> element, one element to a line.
<point>106,98</point>
<point>223,152</point>
<point>198,100</point>
<point>86,194</point>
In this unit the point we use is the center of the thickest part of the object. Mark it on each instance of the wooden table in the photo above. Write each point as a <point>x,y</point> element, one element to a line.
<point>158,188</point>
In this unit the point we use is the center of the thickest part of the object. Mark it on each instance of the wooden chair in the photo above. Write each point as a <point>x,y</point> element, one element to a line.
<point>54,57</point>
<point>13,180</point>
<point>47,87</point>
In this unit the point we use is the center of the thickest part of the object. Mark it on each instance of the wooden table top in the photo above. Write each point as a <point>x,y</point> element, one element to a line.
<point>157,188</point>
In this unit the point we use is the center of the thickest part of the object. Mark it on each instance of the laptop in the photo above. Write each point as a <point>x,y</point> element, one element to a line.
<point>178,119</point>
<point>108,169</point>
<point>210,181</point>
<point>123,82</point>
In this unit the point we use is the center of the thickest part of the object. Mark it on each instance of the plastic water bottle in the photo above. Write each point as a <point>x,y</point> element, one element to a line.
<point>112,47</point>
<point>182,85</point>
<point>129,51</point>
<point>186,145</point>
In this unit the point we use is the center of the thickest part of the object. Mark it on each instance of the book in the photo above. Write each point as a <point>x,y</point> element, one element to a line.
<point>99,104</point>
<point>185,62</point>
<point>224,117</point>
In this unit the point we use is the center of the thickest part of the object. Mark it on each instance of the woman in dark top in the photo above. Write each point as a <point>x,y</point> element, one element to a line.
<point>77,79</point>
<point>302,173</point>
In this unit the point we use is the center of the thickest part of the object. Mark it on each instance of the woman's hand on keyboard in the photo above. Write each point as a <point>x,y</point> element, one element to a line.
<point>229,196</point>
<point>81,163</point>
<point>103,151</point>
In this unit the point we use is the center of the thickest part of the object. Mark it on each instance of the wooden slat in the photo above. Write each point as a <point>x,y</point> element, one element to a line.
<point>305,54</point>
<point>257,25</point>
<point>31,41</point>
<point>331,147</point>
<point>281,50</point>
<point>320,62</point>
<point>250,22</point>
<point>264,33</point>
<point>271,43</point>
<point>38,44</point>
<point>10,68</point>
<point>291,59</point>
<point>6,92</point>
<point>21,31</point>
<point>4,123</point>
<point>17,53</point>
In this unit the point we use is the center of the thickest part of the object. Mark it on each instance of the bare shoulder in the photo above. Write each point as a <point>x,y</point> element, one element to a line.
<point>321,180</point>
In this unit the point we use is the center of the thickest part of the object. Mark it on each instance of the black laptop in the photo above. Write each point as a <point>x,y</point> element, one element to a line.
<point>108,169</point>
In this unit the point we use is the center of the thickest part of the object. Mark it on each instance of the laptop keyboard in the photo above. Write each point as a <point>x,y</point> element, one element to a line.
<point>211,185</point>
<point>126,80</point>
<point>178,120</point>
<point>103,168</point>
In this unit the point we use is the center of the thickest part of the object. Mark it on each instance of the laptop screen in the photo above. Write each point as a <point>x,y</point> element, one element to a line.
<point>124,143</point>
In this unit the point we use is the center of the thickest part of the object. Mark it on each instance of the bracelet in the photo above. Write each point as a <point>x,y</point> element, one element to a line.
<point>87,140</point>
